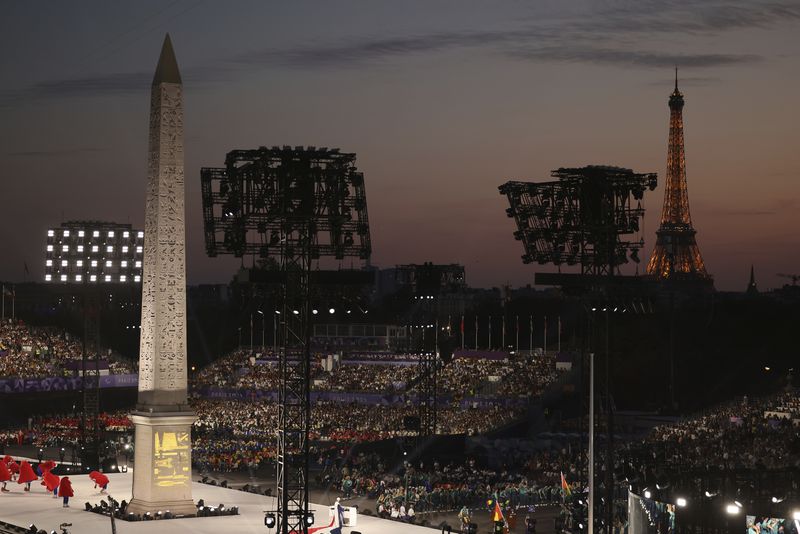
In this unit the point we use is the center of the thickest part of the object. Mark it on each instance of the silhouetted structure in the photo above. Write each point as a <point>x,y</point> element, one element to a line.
<point>297,206</point>
<point>752,288</point>
<point>676,251</point>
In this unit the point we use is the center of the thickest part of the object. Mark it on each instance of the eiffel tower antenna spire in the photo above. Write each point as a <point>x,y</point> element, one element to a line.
<point>676,78</point>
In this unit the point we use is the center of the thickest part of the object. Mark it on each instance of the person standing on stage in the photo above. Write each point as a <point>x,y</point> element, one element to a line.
<point>51,482</point>
<point>65,490</point>
<point>26,475</point>
<point>5,475</point>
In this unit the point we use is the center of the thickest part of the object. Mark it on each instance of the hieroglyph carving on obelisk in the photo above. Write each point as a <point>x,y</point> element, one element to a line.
<point>162,468</point>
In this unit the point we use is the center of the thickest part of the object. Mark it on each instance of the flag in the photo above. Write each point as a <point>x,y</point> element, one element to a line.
<point>497,513</point>
<point>25,264</point>
<point>565,486</point>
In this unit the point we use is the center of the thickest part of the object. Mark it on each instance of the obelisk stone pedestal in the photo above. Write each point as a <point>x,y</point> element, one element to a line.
<point>162,474</point>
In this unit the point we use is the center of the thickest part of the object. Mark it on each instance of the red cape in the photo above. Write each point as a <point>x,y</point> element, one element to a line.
<point>65,488</point>
<point>26,473</point>
<point>13,466</point>
<point>5,474</point>
<point>100,479</point>
<point>48,465</point>
<point>50,480</point>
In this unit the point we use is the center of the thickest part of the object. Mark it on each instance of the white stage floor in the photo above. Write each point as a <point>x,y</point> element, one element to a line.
<point>40,508</point>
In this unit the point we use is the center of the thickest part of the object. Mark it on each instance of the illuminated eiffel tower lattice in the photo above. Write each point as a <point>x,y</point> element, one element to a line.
<point>676,252</point>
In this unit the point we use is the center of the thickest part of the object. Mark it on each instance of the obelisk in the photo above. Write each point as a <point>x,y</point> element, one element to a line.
<point>163,419</point>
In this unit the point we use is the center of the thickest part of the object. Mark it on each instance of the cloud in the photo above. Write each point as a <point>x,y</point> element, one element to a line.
<point>606,35</point>
<point>110,84</point>
<point>361,50</point>
<point>630,57</point>
<point>55,153</point>
<point>687,81</point>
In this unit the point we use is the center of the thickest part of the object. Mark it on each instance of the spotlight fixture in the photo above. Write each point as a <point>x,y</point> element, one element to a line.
<point>269,520</point>
<point>681,502</point>
<point>332,311</point>
<point>309,519</point>
<point>732,509</point>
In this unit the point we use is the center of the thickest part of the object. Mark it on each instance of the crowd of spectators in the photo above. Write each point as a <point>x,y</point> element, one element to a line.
<point>232,434</point>
<point>745,434</point>
<point>42,352</point>
<point>514,377</point>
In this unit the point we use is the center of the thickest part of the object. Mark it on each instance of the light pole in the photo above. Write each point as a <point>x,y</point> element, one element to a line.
<point>263,331</point>
<point>275,331</point>
<point>251,332</point>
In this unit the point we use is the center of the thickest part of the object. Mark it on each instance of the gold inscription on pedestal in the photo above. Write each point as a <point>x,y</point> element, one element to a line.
<point>171,454</point>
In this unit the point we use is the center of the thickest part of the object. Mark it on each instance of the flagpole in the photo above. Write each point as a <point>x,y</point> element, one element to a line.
<point>530,337</point>
<point>13,303</point>
<point>516,343</point>
<point>591,443</point>
<point>463,331</point>
<point>544,349</point>
<point>559,333</point>
<point>3,293</point>
<point>490,334</point>
<point>476,332</point>
<point>503,333</point>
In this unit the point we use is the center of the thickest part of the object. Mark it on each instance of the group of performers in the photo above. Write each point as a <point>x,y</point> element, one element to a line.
<point>23,473</point>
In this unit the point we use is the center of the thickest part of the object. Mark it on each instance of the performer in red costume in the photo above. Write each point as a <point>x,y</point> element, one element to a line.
<point>99,479</point>
<point>65,490</point>
<point>5,475</point>
<point>26,475</point>
<point>13,467</point>
<point>51,482</point>
<point>48,465</point>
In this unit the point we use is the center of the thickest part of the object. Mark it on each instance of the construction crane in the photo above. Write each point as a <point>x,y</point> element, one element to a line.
<point>793,277</point>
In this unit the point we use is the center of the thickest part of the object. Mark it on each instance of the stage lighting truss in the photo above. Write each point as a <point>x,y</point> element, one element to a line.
<point>270,199</point>
<point>94,252</point>
<point>580,218</point>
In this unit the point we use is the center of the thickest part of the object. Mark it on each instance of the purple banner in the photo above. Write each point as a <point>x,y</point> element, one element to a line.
<point>62,383</point>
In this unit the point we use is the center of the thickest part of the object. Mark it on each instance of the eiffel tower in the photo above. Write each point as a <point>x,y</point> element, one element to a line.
<point>676,254</point>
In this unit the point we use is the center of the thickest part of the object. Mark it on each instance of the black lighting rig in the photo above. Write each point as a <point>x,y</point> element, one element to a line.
<point>297,206</point>
<point>582,218</point>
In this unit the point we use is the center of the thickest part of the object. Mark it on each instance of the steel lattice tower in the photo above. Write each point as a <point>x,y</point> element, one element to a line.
<point>676,250</point>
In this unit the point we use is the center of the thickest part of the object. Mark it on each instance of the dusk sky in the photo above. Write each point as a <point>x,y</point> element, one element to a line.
<point>441,101</point>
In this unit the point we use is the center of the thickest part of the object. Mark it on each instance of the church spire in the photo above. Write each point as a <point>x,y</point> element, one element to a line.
<point>752,288</point>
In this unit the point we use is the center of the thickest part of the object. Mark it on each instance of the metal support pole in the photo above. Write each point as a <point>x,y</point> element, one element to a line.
<point>251,332</point>
<point>591,443</point>
<point>490,333</point>
<point>530,337</point>
<point>545,336</point>
<point>559,333</point>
